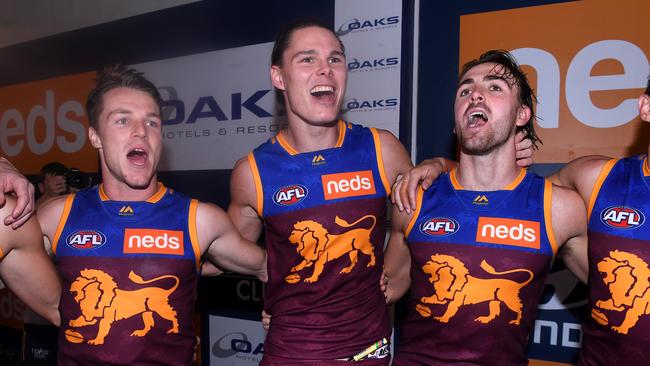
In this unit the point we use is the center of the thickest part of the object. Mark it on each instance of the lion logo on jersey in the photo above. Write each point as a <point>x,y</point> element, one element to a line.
<point>101,300</point>
<point>317,246</point>
<point>455,287</point>
<point>628,280</point>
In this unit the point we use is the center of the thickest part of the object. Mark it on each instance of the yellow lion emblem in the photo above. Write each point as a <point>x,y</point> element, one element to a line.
<point>456,287</point>
<point>100,299</point>
<point>627,278</point>
<point>317,246</point>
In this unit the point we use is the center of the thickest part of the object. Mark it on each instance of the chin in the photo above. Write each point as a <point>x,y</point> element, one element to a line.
<point>139,182</point>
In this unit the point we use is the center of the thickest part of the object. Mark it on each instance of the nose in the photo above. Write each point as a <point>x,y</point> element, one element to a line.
<point>139,129</point>
<point>477,95</point>
<point>326,70</point>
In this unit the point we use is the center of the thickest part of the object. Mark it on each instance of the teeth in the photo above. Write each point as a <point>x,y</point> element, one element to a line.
<point>478,114</point>
<point>321,89</point>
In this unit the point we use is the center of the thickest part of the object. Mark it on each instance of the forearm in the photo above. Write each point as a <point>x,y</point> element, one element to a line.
<point>248,259</point>
<point>37,284</point>
<point>397,267</point>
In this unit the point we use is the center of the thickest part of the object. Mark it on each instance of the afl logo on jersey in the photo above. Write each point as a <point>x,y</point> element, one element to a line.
<point>86,239</point>
<point>621,217</point>
<point>290,195</point>
<point>439,226</point>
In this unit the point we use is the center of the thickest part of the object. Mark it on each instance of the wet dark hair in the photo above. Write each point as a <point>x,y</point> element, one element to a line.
<point>116,76</point>
<point>511,71</point>
<point>283,37</point>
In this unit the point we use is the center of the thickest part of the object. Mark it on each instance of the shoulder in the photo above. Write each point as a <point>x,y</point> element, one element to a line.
<point>396,158</point>
<point>27,233</point>
<point>208,212</point>
<point>586,167</point>
<point>242,179</point>
<point>568,213</point>
<point>49,213</point>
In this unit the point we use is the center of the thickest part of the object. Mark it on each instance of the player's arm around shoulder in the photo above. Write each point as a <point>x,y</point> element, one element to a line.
<point>223,245</point>
<point>581,174</point>
<point>397,258</point>
<point>569,220</point>
<point>27,269</point>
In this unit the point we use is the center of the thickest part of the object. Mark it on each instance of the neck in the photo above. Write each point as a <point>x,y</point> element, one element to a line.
<point>120,191</point>
<point>489,172</point>
<point>304,137</point>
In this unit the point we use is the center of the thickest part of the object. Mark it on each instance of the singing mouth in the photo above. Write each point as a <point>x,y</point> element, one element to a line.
<point>321,90</point>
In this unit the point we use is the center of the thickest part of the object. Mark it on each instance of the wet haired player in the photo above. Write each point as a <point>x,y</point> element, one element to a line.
<point>478,247</point>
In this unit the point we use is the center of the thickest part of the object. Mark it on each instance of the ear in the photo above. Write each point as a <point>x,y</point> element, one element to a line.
<point>276,77</point>
<point>93,136</point>
<point>41,188</point>
<point>644,107</point>
<point>523,115</point>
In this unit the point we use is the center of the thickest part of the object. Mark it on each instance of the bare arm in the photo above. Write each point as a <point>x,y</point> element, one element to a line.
<point>225,245</point>
<point>27,269</point>
<point>405,189</point>
<point>241,211</point>
<point>569,218</point>
<point>580,174</point>
<point>12,181</point>
<point>397,259</point>
<point>243,201</point>
<point>396,159</point>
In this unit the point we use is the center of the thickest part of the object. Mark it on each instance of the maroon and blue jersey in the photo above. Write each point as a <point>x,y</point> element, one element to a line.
<point>324,214</point>
<point>479,260</point>
<point>129,272</point>
<point>617,330</point>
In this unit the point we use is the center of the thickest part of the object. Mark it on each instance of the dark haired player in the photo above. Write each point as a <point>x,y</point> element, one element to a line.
<point>478,247</point>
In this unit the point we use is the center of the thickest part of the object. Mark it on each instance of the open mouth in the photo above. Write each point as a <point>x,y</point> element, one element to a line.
<point>477,118</point>
<point>137,156</point>
<point>322,91</point>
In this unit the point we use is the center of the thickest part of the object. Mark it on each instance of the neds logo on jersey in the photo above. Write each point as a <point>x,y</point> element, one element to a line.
<point>348,184</point>
<point>138,241</point>
<point>86,239</point>
<point>498,230</point>
<point>621,217</point>
<point>290,195</point>
<point>439,226</point>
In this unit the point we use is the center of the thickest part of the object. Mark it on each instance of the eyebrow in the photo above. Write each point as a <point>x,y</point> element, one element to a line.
<point>313,52</point>
<point>126,111</point>
<point>498,77</point>
<point>487,78</point>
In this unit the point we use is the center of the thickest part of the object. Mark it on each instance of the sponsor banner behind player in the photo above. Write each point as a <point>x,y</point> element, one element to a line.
<point>235,342</point>
<point>45,121</point>
<point>557,334</point>
<point>218,105</point>
<point>372,34</point>
<point>588,67</point>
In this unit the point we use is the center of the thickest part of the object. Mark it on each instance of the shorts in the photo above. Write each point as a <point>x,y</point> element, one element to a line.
<point>40,344</point>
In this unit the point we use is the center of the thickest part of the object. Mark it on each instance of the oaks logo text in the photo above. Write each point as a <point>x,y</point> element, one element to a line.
<point>86,239</point>
<point>621,217</point>
<point>439,226</point>
<point>290,195</point>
